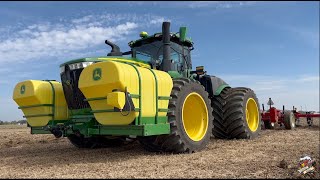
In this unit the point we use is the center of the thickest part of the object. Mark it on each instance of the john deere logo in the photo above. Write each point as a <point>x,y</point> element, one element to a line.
<point>22,89</point>
<point>97,74</point>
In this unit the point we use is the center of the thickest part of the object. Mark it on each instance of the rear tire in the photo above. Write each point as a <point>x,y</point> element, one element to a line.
<point>242,114</point>
<point>149,143</point>
<point>217,102</point>
<point>81,142</point>
<point>188,132</point>
<point>289,120</point>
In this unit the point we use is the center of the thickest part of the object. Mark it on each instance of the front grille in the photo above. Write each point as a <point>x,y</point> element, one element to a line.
<point>73,95</point>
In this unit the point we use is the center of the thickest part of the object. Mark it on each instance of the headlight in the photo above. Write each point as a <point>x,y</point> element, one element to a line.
<point>79,65</point>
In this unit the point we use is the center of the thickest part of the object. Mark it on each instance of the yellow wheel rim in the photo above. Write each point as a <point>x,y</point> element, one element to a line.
<point>252,114</point>
<point>195,116</point>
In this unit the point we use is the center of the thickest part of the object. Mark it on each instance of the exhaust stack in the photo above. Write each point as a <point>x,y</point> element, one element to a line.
<point>166,62</point>
<point>115,51</point>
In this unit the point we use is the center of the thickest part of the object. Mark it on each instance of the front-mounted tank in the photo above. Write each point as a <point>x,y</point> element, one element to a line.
<point>70,74</point>
<point>103,83</point>
<point>41,101</point>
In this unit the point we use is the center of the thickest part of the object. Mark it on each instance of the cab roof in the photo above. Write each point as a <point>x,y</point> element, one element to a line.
<point>174,37</point>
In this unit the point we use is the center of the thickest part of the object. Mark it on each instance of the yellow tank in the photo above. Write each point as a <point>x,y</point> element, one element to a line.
<point>35,99</point>
<point>98,80</point>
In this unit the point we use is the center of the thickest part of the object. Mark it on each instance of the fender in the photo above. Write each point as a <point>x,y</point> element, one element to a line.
<point>213,85</point>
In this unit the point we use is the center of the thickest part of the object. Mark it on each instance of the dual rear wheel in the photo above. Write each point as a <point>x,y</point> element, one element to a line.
<point>236,114</point>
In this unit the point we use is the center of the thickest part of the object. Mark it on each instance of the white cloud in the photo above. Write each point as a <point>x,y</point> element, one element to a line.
<point>195,4</point>
<point>82,19</point>
<point>201,4</point>
<point>158,20</point>
<point>218,4</point>
<point>70,37</point>
<point>309,79</point>
<point>40,43</point>
<point>306,34</point>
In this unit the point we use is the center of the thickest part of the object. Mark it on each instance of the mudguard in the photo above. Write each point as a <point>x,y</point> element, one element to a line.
<point>213,85</point>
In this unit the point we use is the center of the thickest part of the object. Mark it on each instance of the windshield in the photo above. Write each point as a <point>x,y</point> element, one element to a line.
<point>148,52</point>
<point>152,52</point>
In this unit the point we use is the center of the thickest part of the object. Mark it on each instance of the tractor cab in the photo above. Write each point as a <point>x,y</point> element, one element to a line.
<point>150,49</point>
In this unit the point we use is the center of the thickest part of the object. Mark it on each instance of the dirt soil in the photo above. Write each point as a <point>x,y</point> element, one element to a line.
<point>23,155</point>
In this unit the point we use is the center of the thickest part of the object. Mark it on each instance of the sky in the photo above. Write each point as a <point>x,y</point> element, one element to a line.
<point>270,47</point>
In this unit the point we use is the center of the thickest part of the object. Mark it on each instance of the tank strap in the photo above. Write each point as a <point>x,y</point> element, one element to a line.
<point>53,100</point>
<point>157,108</point>
<point>140,99</point>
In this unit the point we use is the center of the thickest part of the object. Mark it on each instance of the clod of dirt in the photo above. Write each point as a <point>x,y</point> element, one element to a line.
<point>43,141</point>
<point>283,164</point>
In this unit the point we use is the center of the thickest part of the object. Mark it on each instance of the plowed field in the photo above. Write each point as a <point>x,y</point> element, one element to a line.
<point>23,155</point>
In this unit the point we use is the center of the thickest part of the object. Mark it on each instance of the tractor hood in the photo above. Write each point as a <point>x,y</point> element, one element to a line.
<point>82,61</point>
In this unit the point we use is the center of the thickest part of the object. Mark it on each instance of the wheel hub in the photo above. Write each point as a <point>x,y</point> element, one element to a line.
<point>195,116</point>
<point>252,114</point>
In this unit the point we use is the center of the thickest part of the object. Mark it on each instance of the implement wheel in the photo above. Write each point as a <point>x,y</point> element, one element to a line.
<point>242,114</point>
<point>289,120</point>
<point>190,118</point>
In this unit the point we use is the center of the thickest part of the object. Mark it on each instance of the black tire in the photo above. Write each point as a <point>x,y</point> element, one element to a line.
<point>289,120</point>
<point>217,102</point>
<point>95,142</point>
<point>81,142</point>
<point>268,125</point>
<point>149,143</point>
<point>178,140</point>
<point>235,114</point>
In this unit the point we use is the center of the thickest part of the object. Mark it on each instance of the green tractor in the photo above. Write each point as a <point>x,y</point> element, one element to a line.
<point>149,94</point>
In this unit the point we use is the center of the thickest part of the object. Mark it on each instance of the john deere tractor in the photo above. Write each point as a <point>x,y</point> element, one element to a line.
<point>150,94</point>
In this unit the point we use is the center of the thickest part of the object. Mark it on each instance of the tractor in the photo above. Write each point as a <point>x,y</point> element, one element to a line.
<point>150,94</point>
<point>272,116</point>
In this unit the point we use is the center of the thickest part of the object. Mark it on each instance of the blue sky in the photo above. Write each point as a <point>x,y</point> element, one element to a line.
<point>271,47</point>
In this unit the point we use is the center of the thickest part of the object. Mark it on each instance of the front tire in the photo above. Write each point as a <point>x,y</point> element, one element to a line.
<point>268,125</point>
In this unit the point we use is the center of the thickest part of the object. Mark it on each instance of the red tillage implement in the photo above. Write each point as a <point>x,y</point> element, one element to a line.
<point>308,115</point>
